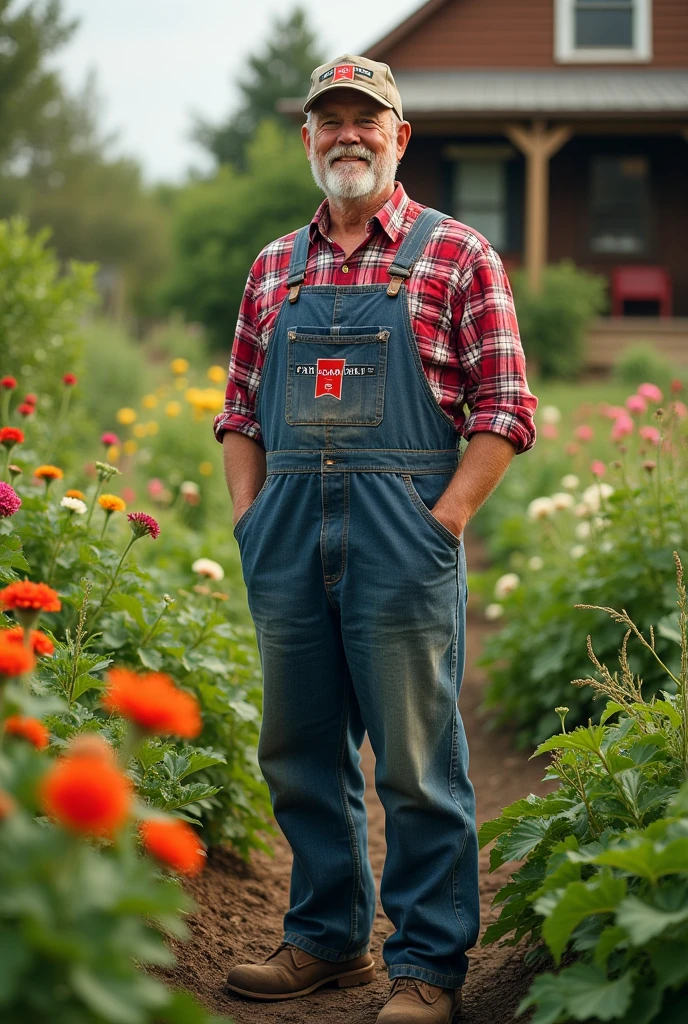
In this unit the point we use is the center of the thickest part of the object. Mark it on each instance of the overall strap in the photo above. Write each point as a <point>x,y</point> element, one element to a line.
<point>297,264</point>
<point>412,247</point>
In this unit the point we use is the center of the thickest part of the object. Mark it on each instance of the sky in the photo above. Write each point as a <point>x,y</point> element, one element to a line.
<point>157,62</point>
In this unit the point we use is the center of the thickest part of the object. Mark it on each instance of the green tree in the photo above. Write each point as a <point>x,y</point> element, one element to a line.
<point>283,69</point>
<point>222,224</point>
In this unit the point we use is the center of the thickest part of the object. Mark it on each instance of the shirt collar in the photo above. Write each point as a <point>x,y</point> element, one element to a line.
<point>389,217</point>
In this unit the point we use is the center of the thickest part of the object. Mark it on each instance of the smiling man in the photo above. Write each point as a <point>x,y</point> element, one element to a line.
<point>368,344</point>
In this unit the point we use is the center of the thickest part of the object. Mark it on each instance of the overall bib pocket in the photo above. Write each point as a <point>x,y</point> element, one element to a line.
<point>336,375</point>
<point>422,508</point>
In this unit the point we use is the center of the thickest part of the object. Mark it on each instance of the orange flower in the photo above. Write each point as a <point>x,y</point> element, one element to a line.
<point>86,795</point>
<point>74,493</point>
<point>90,744</point>
<point>15,659</point>
<point>28,729</point>
<point>40,643</point>
<point>7,804</point>
<point>111,503</point>
<point>27,595</point>
<point>175,844</point>
<point>48,473</point>
<point>153,702</point>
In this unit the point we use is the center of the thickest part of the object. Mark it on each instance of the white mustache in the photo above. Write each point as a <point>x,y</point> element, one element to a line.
<point>351,151</point>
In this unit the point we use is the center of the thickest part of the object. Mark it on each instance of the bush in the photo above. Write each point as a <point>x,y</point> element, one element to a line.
<point>606,854</point>
<point>554,320</point>
<point>641,362</point>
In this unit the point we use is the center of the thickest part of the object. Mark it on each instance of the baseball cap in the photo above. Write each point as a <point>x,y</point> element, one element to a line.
<point>349,72</point>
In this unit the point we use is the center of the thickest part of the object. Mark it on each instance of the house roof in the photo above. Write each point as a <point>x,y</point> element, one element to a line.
<point>378,49</point>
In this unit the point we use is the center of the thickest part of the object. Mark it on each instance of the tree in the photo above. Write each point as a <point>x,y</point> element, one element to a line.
<point>283,69</point>
<point>221,225</point>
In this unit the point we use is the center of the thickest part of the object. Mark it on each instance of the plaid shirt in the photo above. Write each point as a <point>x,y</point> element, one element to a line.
<point>462,314</point>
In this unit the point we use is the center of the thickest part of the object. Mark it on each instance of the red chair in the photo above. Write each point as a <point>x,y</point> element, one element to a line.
<point>641,284</point>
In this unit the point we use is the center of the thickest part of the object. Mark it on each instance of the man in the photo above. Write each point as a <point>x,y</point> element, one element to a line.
<point>360,338</point>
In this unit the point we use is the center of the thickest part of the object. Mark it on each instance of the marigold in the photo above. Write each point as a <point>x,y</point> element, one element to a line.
<point>126,416</point>
<point>153,702</point>
<point>74,493</point>
<point>40,643</point>
<point>15,659</point>
<point>87,801</point>
<point>29,729</point>
<point>34,596</point>
<point>9,436</point>
<point>7,804</point>
<point>48,473</point>
<point>217,374</point>
<point>179,366</point>
<point>175,844</point>
<point>173,409</point>
<point>111,503</point>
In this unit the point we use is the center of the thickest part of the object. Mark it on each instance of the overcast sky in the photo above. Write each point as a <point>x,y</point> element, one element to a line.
<point>159,60</point>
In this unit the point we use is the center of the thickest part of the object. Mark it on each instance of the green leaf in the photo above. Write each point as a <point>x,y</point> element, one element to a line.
<point>549,993</point>
<point>643,922</point>
<point>150,658</point>
<point>86,682</point>
<point>523,838</point>
<point>646,861</point>
<point>588,740</point>
<point>611,937</point>
<point>600,895</point>
<point>592,994</point>
<point>14,960</point>
<point>670,963</point>
<point>199,760</point>
<point>116,998</point>
<point>612,708</point>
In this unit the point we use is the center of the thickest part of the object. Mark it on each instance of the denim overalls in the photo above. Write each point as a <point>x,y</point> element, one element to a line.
<point>358,596</point>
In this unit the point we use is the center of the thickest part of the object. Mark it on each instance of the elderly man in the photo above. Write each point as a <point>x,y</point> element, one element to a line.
<point>361,339</point>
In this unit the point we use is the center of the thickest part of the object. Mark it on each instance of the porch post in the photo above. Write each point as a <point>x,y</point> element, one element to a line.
<point>538,144</point>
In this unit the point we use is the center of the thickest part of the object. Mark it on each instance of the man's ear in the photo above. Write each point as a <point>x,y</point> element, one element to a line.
<point>403,136</point>
<point>306,137</point>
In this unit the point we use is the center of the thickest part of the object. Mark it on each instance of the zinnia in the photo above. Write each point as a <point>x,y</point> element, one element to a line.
<point>9,500</point>
<point>74,493</point>
<point>30,399</point>
<point>651,392</point>
<point>9,383</point>
<point>74,505</point>
<point>9,436</point>
<point>24,595</point>
<point>48,473</point>
<point>636,404</point>
<point>109,438</point>
<point>623,425</point>
<point>26,409</point>
<point>86,795</point>
<point>28,729</point>
<point>173,843</point>
<point>153,703</point>
<point>15,659</point>
<point>650,434</point>
<point>69,379</point>
<point>111,503</point>
<point>207,567</point>
<point>506,585</point>
<point>40,643</point>
<point>584,432</point>
<point>143,525</point>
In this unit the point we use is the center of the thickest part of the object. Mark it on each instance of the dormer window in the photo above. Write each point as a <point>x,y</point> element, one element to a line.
<point>603,31</point>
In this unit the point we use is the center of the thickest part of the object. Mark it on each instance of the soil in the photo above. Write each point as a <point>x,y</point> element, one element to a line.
<point>241,905</point>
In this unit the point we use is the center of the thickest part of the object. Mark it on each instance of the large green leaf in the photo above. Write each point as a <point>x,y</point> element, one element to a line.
<point>523,838</point>
<point>593,995</point>
<point>670,962</point>
<point>643,922</point>
<point>601,895</point>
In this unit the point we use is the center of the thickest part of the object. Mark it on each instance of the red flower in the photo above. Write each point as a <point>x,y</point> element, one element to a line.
<point>69,379</point>
<point>30,399</point>
<point>8,382</point>
<point>28,729</point>
<point>143,525</point>
<point>26,409</point>
<point>153,702</point>
<point>40,643</point>
<point>9,436</point>
<point>175,844</point>
<point>34,596</point>
<point>87,795</point>
<point>90,744</point>
<point>109,438</point>
<point>15,659</point>
<point>676,386</point>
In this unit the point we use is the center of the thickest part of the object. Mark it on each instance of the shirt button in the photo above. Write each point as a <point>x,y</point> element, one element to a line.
<point>345,269</point>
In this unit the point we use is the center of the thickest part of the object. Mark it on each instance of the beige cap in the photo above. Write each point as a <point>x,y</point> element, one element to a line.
<point>349,72</point>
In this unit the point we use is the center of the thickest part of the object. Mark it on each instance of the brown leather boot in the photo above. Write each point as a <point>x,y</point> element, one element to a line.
<point>416,1002</point>
<point>290,972</point>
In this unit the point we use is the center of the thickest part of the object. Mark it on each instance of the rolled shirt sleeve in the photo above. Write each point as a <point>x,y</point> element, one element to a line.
<point>245,367</point>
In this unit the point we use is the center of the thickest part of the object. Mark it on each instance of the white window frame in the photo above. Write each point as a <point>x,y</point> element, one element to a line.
<point>565,51</point>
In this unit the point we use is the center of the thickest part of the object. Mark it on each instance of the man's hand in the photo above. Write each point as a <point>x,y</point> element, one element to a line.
<point>482,466</point>
<point>245,470</point>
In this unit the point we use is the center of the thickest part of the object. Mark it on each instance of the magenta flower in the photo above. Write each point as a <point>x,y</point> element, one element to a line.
<point>598,468</point>
<point>109,438</point>
<point>143,525</point>
<point>584,432</point>
<point>9,500</point>
<point>651,392</point>
<point>636,404</point>
<point>623,425</point>
<point>650,434</point>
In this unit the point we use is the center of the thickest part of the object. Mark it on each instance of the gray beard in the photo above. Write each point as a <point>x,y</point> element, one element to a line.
<point>354,181</point>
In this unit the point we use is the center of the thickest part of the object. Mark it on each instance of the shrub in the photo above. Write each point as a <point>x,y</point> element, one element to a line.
<point>554,320</point>
<point>641,362</point>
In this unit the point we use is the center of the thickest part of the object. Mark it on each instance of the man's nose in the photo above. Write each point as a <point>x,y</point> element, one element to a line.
<point>348,135</point>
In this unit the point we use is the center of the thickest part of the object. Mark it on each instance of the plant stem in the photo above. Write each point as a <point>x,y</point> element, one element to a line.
<point>60,541</point>
<point>112,582</point>
<point>151,631</point>
<point>6,462</point>
<point>93,503</point>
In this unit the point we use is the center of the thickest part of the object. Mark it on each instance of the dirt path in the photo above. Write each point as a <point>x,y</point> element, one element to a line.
<point>241,906</point>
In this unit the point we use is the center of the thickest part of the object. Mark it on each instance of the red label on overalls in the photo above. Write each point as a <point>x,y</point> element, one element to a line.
<point>329,377</point>
<point>344,71</point>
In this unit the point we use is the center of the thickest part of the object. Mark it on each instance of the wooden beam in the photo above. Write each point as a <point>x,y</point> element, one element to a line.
<point>538,143</point>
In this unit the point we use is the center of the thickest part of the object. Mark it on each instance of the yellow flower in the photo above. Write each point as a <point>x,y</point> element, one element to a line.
<point>217,374</point>
<point>111,503</point>
<point>205,468</point>
<point>149,401</point>
<point>152,427</point>
<point>193,395</point>
<point>179,366</point>
<point>113,453</point>
<point>130,447</point>
<point>140,430</point>
<point>180,383</point>
<point>126,416</point>
<point>173,408</point>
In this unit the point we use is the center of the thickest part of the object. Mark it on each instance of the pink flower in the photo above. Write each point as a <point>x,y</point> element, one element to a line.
<point>651,392</point>
<point>108,439</point>
<point>623,425</point>
<point>598,468</point>
<point>143,525</point>
<point>572,449</point>
<point>128,495</point>
<point>680,409</point>
<point>584,432</point>
<point>650,434</point>
<point>9,500</point>
<point>155,487</point>
<point>549,430</point>
<point>611,412</point>
<point>636,404</point>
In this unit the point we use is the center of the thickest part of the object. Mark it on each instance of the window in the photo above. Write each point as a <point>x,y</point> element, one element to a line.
<point>479,195</point>
<point>603,31</point>
<point>619,205</point>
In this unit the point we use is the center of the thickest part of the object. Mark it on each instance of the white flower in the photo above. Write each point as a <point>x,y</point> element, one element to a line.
<point>550,414</point>
<point>582,510</point>
<point>570,482</point>
<point>540,508</point>
<point>493,611</point>
<point>595,493</point>
<point>536,563</point>
<point>505,585</point>
<point>583,530</point>
<point>578,551</point>
<point>189,487</point>
<point>606,546</point>
<point>206,567</point>
<point>74,505</point>
<point>562,500</point>
<point>600,523</point>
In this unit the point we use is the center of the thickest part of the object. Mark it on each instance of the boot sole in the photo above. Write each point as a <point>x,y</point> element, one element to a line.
<point>363,976</point>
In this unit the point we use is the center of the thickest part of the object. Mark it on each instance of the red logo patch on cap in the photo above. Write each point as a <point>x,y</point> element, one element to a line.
<point>344,71</point>
<point>329,377</point>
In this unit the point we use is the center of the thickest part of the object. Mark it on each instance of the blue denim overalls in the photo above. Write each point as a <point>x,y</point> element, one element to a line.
<point>358,595</point>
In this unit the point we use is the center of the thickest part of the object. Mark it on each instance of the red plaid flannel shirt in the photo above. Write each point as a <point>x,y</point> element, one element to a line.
<point>461,307</point>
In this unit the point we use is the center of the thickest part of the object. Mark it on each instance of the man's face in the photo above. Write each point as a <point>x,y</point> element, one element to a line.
<point>354,145</point>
